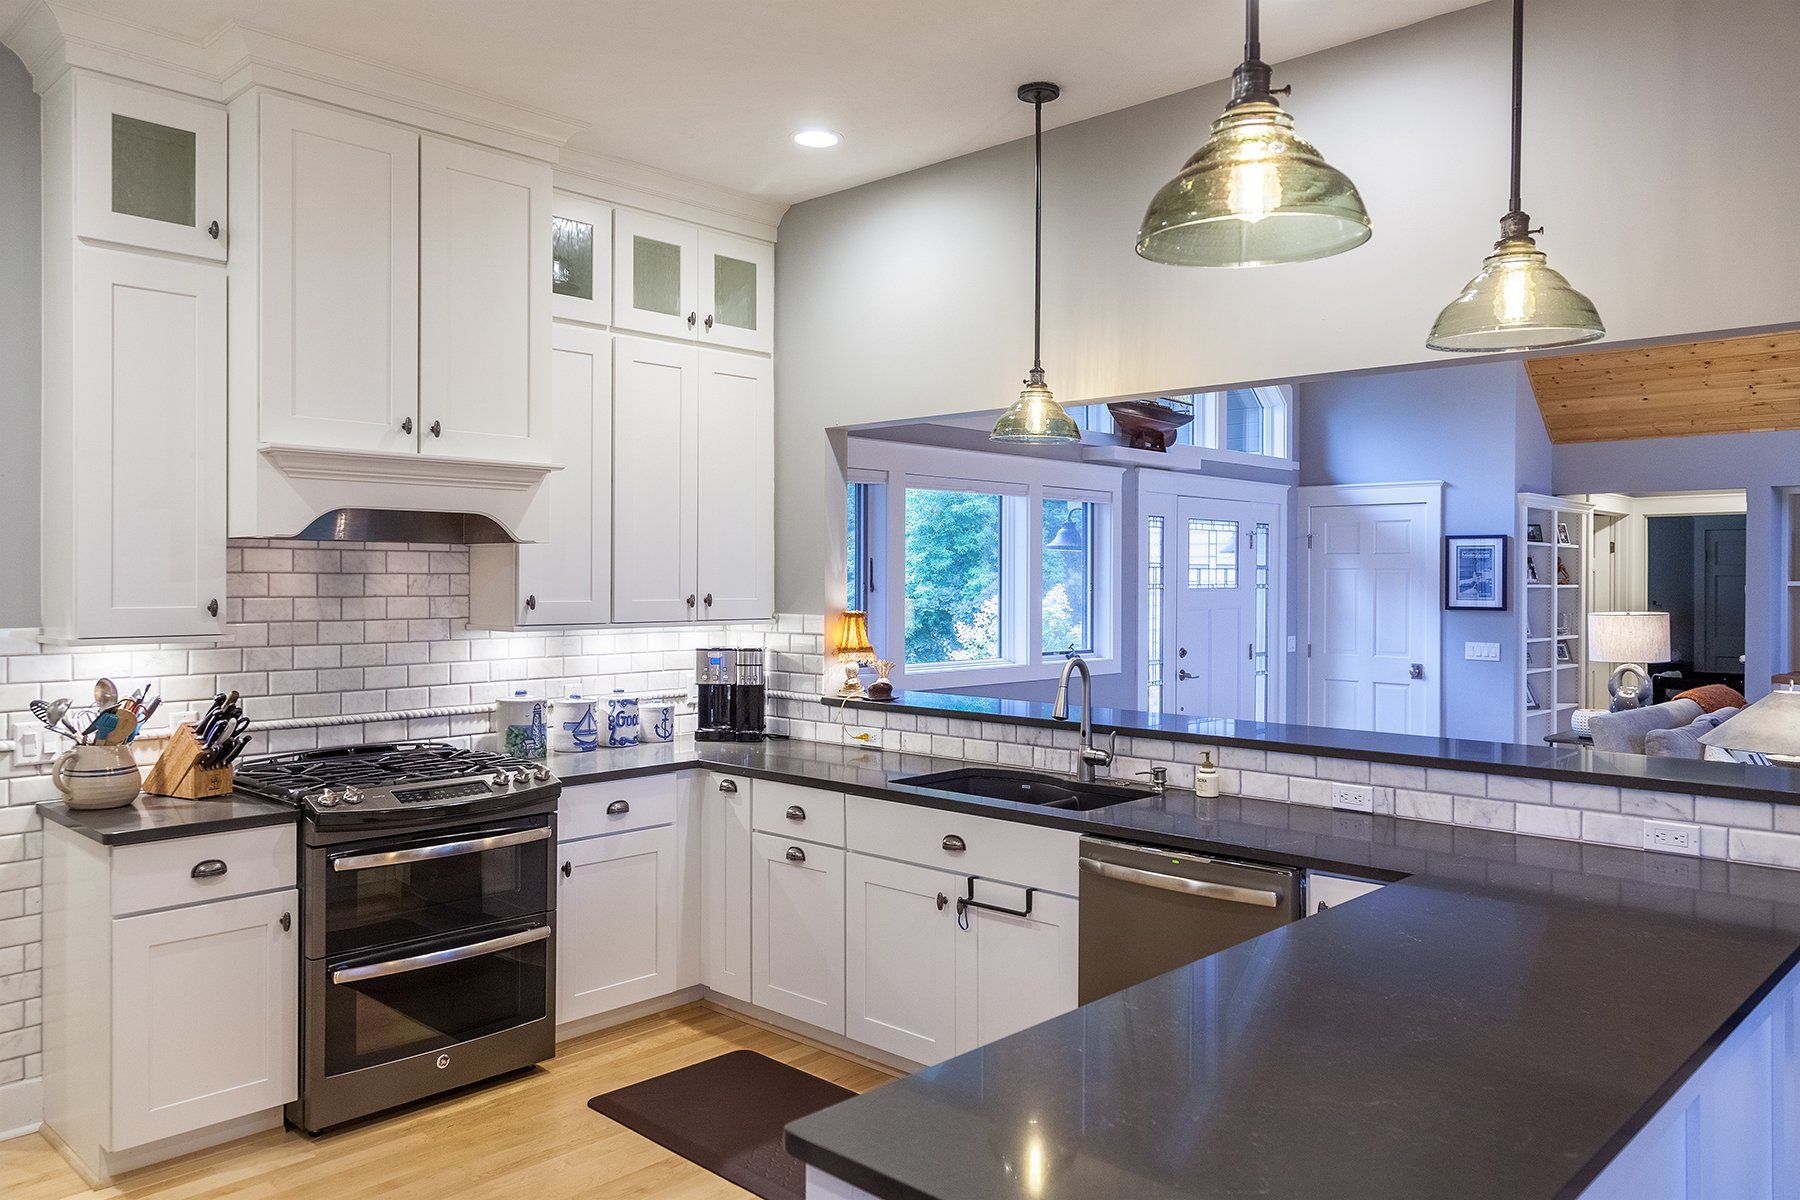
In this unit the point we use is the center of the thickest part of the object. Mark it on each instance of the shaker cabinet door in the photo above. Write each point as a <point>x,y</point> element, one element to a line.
<point>336,317</point>
<point>655,397</point>
<point>618,921</point>
<point>1013,972</point>
<point>725,867</point>
<point>149,167</point>
<point>737,292</point>
<point>484,304</point>
<point>900,962</point>
<point>147,552</point>
<point>735,478</point>
<point>655,277</point>
<point>206,1016</point>
<point>797,930</point>
<point>581,248</point>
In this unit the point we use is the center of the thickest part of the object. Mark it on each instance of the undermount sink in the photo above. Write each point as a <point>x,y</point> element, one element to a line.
<point>1027,787</point>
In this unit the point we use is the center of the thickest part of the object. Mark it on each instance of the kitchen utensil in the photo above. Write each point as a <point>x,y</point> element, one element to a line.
<point>125,729</point>
<point>228,753</point>
<point>214,743</point>
<point>106,693</point>
<point>54,714</point>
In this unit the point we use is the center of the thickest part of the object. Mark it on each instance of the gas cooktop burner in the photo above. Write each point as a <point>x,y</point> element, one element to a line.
<point>393,777</point>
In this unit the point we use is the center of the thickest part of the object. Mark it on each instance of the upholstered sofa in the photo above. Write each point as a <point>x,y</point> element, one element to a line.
<point>1669,730</point>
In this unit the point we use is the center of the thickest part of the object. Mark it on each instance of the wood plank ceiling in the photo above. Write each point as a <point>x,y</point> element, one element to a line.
<point>1728,385</point>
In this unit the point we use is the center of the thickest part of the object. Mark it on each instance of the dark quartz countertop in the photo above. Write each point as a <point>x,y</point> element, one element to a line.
<point>1568,763</point>
<point>160,818</point>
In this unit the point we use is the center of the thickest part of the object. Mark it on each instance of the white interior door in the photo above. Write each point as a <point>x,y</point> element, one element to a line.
<point>1223,624</point>
<point>1373,618</point>
<point>1719,584</point>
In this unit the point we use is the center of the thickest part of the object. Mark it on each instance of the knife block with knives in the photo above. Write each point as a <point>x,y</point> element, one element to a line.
<point>178,771</point>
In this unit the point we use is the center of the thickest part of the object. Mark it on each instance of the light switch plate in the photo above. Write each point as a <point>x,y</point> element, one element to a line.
<point>1481,651</point>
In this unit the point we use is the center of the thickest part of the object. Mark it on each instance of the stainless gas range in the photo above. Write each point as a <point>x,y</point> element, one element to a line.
<point>428,920</point>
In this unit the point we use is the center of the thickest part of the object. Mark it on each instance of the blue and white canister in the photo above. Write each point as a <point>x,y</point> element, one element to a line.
<point>524,731</point>
<point>656,720</point>
<point>577,729</point>
<point>621,720</point>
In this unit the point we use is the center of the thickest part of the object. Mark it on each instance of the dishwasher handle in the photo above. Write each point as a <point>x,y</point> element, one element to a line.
<point>1231,893</point>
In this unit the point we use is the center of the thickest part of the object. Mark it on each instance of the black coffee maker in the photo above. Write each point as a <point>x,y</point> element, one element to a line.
<point>715,675</point>
<point>747,723</point>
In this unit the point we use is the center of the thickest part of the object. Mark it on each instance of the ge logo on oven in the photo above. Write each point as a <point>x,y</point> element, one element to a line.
<point>443,1060</point>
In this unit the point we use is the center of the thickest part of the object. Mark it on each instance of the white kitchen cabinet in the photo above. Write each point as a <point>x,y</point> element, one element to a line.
<point>656,283</point>
<point>205,1015</point>
<point>655,407</point>
<point>581,244</point>
<point>737,292</point>
<point>134,436</point>
<point>148,166</point>
<point>900,987</point>
<point>566,579</point>
<point>484,304</point>
<point>1328,891</point>
<point>618,921</point>
<point>1013,972</point>
<point>797,930</point>
<point>325,276</point>
<point>735,479</point>
<point>725,866</point>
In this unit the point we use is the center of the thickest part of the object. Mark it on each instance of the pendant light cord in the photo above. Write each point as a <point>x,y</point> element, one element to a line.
<point>1518,96</point>
<point>1252,31</point>
<point>1037,288</point>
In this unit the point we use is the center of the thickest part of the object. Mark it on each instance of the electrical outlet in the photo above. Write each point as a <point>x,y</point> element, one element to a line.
<point>1357,797</point>
<point>1671,837</point>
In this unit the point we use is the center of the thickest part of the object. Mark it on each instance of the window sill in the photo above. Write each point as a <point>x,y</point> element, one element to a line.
<point>981,675</point>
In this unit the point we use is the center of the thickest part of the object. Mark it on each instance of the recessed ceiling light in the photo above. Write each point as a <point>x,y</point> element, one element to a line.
<point>816,139</point>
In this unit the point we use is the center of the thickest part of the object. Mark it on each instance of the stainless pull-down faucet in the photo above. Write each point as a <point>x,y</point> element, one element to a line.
<point>1091,756</point>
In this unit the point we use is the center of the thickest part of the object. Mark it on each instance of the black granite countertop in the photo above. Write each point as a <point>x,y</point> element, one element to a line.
<point>1568,763</point>
<point>160,818</point>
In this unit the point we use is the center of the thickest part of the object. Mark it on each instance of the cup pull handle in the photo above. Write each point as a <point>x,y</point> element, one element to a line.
<point>728,786</point>
<point>796,813</point>
<point>208,868</point>
<point>954,844</point>
<point>618,808</point>
<point>796,854</point>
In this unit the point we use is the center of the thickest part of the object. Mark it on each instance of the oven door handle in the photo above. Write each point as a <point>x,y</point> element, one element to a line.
<point>421,962</point>
<point>393,858</point>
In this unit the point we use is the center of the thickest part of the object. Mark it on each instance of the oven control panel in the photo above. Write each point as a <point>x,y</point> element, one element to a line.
<point>460,790</point>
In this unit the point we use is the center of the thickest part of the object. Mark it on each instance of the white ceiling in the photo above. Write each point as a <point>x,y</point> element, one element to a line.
<point>712,89</point>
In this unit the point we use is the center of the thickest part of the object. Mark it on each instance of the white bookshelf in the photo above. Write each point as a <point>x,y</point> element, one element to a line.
<point>1788,636</point>
<point>1553,605</point>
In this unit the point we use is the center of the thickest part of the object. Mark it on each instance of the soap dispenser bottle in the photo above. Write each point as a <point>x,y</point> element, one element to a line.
<point>1206,777</point>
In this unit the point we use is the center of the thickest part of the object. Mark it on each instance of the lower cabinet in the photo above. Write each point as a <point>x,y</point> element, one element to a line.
<point>900,978</point>
<point>205,1013</point>
<point>1014,972</point>
<point>618,921</point>
<point>797,930</point>
<point>725,862</point>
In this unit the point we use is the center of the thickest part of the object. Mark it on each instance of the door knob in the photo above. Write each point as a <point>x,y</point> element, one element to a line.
<point>1416,671</point>
<point>1184,673</point>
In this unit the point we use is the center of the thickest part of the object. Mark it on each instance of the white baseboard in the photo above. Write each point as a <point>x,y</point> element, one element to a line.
<point>631,1012</point>
<point>21,1108</point>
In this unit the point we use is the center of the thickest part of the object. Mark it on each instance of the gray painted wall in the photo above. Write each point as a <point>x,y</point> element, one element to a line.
<point>911,296</point>
<point>20,325</point>
<point>1459,424</point>
<point>1760,463</point>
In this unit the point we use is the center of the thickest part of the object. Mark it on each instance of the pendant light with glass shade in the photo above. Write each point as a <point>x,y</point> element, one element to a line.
<point>1035,418</point>
<point>1256,193</point>
<point>1517,302</point>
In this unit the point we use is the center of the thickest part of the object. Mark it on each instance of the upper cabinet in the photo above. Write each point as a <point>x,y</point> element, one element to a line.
<point>326,304</point>
<point>734,477</point>
<point>681,281</point>
<point>148,167</point>
<point>737,292</point>
<point>484,304</point>
<point>581,245</point>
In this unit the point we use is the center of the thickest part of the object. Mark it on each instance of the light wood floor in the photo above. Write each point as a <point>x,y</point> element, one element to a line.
<point>531,1138</point>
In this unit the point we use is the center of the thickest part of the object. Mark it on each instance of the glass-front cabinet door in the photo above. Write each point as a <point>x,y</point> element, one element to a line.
<point>581,245</point>
<point>737,292</point>
<point>149,167</point>
<point>656,280</point>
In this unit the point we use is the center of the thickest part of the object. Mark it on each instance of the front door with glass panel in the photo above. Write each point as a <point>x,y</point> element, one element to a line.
<point>150,167</point>
<point>1222,554</point>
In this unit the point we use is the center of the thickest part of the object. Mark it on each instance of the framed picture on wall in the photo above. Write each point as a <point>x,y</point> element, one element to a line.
<point>1475,572</point>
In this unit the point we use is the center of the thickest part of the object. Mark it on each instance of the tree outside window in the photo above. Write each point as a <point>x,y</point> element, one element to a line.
<point>953,576</point>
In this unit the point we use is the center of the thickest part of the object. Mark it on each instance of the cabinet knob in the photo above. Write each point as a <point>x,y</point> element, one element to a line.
<point>708,599</point>
<point>618,808</point>
<point>568,869</point>
<point>709,321</point>
<point>213,231</point>
<point>690,600</point>
<point>954,844</point>
<point>691,318</point>
<point>437,429</point>
<point>531,602</point>
<point>212,608</point>
<point>942,901</point>
<point>287,922</point>
<point>796,813</point>
<point>208,868</point>
<point>406,425</point>
<point>796,854</point>
<point>728,786</point>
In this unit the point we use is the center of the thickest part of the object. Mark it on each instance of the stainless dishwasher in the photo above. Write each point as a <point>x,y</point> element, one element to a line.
<point>1146,911</point>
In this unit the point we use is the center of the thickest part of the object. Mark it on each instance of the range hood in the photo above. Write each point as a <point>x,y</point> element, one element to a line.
<point>308,492</point>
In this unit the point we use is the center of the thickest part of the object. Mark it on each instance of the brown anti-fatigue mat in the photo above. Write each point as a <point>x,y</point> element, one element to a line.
<point>726,1114</point>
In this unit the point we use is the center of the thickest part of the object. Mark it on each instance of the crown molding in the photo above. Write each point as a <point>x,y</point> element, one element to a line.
<point>635,185</point>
